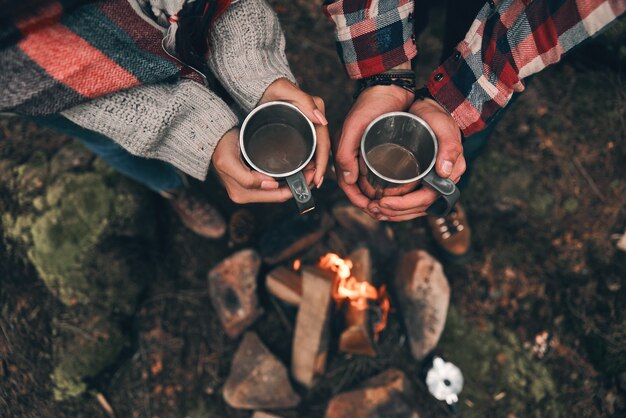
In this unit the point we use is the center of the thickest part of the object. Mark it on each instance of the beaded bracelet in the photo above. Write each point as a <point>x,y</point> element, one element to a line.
<point>400,78</point>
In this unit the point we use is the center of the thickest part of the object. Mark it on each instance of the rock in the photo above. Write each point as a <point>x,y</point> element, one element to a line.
<point>386,395</point>
<point>79,244</point>
<point>232,285</point>
<point>288,237</point>
<point>621,243</point>
<point>257,379</point>
<point>423,296</point>
<point>82,350</point>
<point>260,414</point>
<point>494,361</point>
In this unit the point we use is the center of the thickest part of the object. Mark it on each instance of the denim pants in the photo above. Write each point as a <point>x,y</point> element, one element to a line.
<point>154,174</point>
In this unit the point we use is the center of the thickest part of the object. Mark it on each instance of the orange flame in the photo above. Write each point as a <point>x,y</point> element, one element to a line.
<point>359,293</point>
<point>297,264</point>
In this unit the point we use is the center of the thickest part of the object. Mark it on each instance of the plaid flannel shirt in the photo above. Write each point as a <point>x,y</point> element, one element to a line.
<point>508,41</point>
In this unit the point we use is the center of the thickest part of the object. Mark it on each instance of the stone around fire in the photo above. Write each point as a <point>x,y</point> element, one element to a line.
<point>423,294</point>
<point>388,394</point>
<point>258,380</point>
<point>232,285</point>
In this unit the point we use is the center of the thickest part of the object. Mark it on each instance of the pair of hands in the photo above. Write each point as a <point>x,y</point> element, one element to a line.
<point>372,103</point>
<point>245,185</point>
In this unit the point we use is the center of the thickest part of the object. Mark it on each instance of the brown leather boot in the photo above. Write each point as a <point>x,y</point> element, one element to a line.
<point>196,214</point>
<point>452,234</point>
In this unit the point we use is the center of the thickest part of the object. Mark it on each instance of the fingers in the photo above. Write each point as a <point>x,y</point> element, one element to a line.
<point>421,198</point>
<point>312,107</point>
<point>249,179</point>
<point>323,147</point>
<point>281,194</point>
<point>346,156</point>
<point>355,195</point>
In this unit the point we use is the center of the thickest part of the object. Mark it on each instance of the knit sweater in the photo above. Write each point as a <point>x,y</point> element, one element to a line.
<point>181,122</point>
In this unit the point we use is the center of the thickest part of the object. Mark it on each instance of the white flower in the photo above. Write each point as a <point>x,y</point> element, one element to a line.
<point>444,381</point>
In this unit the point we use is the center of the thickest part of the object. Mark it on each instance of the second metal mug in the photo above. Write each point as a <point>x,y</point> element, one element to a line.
<point>260,139</point>
<point>417,139</point>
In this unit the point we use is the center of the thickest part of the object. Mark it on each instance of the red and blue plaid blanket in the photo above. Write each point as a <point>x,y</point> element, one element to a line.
<point>62,55</point>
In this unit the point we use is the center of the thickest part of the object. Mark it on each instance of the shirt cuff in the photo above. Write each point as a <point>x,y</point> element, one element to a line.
<point>375,39</point>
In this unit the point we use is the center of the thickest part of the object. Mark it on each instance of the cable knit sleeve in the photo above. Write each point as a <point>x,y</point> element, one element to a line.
<point>248,51</point>
<point>179,123</point>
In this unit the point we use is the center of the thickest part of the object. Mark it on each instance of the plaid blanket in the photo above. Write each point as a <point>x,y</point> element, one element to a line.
<point>508,41</point>
<point>62,56</point>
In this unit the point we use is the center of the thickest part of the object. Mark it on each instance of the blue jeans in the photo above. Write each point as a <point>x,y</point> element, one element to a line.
<point>155,174</point>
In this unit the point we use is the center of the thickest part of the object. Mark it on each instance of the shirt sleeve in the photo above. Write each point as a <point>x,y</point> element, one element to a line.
<point>508,41</point>
<point>248,51</point>
<point>372,35</point>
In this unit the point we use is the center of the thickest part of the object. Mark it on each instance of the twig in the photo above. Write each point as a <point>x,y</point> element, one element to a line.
<point>105,404</point>
<point>6,337</point>
<point>585,174</point>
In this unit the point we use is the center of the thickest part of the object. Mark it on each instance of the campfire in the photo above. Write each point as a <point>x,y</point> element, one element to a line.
<point>326,273</point>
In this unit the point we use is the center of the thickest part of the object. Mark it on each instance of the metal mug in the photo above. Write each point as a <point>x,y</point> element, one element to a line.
<point>415,136</point>
<point>256,134</point>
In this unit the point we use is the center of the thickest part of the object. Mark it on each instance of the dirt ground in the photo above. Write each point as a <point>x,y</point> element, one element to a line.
<point>546,204</point>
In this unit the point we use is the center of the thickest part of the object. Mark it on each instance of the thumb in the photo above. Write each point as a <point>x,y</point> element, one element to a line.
<point>450,149</point>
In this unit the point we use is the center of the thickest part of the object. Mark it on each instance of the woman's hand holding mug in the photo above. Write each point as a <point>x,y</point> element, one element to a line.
<point>246,185</point>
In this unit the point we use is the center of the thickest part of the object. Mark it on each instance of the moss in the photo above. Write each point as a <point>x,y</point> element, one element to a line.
<point>570,205</point>
<point>82,354</point>
<point>493,361</point>
<point>541,203</point>
<point>64,235</point>
<point>31,177</point>
<point>73,242</point>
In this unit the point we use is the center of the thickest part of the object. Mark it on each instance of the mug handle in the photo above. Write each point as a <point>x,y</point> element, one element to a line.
<point>301,192</point>
<point>449,194</point>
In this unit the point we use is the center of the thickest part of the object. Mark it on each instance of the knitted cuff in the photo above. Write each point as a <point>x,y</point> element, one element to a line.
<point>177,123</point>
<point>248,51</point>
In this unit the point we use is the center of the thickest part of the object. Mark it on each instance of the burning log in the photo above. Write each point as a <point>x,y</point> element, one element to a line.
<point>285,284</point>
<point>232,287</point>
<point>357,337</point>
<point>310,342</point>
<point>423,296</point>
<point>293,235</point>
<point>356,293</point>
